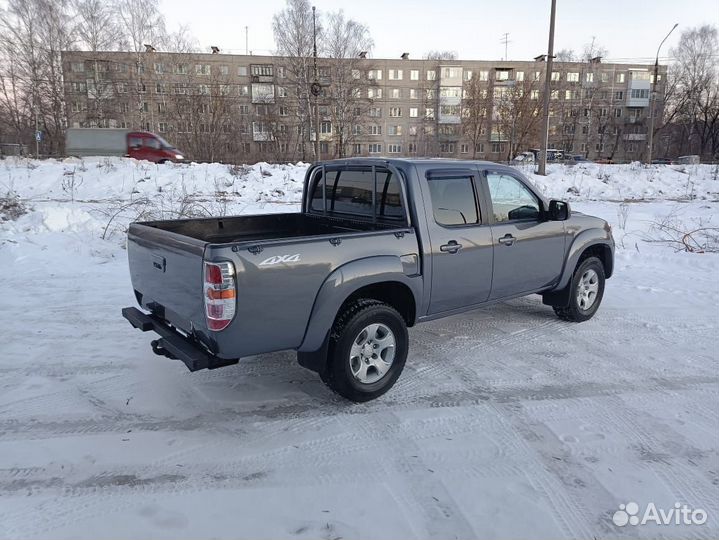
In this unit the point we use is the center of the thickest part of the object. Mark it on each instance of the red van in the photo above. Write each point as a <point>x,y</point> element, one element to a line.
<point>120,142</point>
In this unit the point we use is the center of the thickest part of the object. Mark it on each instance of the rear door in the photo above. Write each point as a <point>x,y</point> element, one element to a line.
<point>460,238</point>
<point>528,251</point>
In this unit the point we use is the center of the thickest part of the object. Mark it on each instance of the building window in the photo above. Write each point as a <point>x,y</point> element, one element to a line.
<point>325,128</point>
<point>281,72</point>
<point>450,91</point>
<point>604,76</point>
<point>283,110</point>
<point>242,71</point>
<point>413,111</point>
<point>619,78</point>
<point>395,74</point>
<point>162,127</point>
<point>413,74</point>
<point>429,112</point>
<point>534,94</point>
<point>281,91</point>
<point>451,73</point>
<point>555,75</point>
<point>375,112</point>
<point>638,93</point>
<point>589,77</point>
<point>464,148</point>
<point>394,148</point>
<point>375,129</point>
<point>77,67</point>
<point>619,95</point>
<point>617,113</point>
<point>484,75</point>
<point>554,94</point>
<point>573,76</point>
<point>431,75</point>
<point>262,70</point>
<point>497,148</point>
<point>224,70</point>
<point>467,74</point>
<point>244,109</point>
<point>446,148</point>
<point>519,76</point>
<point>412,147</point>
<point>501,75</point>
<point>203,89</point>
<point>78,87</point>
<point>374,74</point>
<point>374,93</point>
<point>395,112</point>
<point>394,130</point>
<point>374,148</point>
<point>202,69</point>
<point>395,93</point>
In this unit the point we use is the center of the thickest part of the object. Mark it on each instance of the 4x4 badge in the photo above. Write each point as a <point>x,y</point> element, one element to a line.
<point>277,259</point>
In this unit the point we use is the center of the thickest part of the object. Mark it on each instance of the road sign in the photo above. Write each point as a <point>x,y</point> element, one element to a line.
<point>38,136</point>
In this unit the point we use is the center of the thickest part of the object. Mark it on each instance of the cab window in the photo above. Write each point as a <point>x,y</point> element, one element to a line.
<point>151,142</point>
<point>511,199</point>
<point>349,192</point>
<point>453,201</point>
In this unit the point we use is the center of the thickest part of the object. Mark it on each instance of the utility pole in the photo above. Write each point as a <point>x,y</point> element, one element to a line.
<point>547,90</point>
<point>316,87</point>
<point>505,40</point>
<point>653,99</point>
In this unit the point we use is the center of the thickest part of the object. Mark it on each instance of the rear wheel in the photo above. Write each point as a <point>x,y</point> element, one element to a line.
<point>367,352</point>
<point>586,292</point>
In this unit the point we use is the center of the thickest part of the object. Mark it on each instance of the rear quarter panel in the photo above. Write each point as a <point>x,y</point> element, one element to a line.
<point>277,288</point>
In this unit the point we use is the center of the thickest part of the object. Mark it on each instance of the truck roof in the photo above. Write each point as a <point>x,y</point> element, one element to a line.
<point>412,161</point>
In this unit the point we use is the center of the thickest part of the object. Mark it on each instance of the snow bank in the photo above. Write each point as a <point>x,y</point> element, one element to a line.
<point>94,179</point>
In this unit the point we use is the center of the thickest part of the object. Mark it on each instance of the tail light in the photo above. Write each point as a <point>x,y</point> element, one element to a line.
<point>219,294</point>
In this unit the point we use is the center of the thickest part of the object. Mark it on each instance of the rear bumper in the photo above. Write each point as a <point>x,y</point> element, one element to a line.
<point>174,344</point>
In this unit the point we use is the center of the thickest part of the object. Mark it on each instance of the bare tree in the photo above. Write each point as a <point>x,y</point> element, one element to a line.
<point>476,107</point>
<point>96,25</point>
<point>344,40</point>
<point>293,33</point>
<point>693,92</point>
<point>441,55</point>
<point>516,113</point>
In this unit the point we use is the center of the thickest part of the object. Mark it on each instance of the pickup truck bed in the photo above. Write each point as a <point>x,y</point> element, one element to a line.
<point>262,227</point>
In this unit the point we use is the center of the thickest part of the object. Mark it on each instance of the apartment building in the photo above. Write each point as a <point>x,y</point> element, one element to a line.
<point>240,108</point>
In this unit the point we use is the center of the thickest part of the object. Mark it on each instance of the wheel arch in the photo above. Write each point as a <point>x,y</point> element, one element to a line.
<point>381,278</point>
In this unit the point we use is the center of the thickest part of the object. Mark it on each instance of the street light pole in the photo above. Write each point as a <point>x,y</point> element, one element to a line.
<point>653,98</point>
<point>547,89</point>
<point>316,87</point>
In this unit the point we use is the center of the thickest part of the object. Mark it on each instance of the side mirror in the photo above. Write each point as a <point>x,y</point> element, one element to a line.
<point>558,210</point>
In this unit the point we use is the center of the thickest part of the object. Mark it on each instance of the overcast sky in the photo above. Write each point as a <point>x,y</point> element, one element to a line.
<point>630,29</point>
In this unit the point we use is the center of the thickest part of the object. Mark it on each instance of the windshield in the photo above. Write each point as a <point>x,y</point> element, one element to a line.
<point>166,145</point>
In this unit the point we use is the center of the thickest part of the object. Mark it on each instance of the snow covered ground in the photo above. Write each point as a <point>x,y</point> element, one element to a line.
<point>506,423</point>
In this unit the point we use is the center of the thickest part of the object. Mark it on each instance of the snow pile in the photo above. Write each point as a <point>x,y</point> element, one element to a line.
<point>96,179</point>
<point>93,179</point>
<point>592,181</point>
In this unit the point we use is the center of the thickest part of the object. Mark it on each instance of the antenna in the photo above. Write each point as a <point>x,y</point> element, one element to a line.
<point>247,42</point>
<point>505,39</point>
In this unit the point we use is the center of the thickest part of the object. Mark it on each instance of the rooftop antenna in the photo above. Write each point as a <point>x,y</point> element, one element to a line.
<point>247,41</point>
<point>505,39</point>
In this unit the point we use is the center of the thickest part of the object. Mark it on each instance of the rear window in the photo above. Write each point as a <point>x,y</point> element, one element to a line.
<point>349,192</point>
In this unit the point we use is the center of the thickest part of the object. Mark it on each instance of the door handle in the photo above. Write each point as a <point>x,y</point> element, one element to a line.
<point>507,240</point>
<point>451,247</point>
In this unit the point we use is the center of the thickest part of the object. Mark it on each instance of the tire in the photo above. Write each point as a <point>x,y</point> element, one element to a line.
<point>586,292</point>
<point>351,371</point>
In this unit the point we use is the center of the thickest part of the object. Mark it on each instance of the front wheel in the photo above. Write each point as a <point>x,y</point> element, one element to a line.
<point>367,352</point>
<point>586,292</point>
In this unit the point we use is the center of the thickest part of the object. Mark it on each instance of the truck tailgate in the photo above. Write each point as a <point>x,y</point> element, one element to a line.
<point>166,273</point>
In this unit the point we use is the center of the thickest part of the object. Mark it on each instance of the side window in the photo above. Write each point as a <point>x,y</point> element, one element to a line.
<point>511,199</point>
<point>453,201</point>
<point>134,142</point>
<point>350,192</point>
<point>151,142</point>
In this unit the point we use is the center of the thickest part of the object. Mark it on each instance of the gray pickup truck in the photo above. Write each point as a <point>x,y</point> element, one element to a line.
<point>379,245</point>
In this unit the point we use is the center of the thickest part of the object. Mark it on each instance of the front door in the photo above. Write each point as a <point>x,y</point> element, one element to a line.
<point>528,250</point>
<point>461,241</point>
